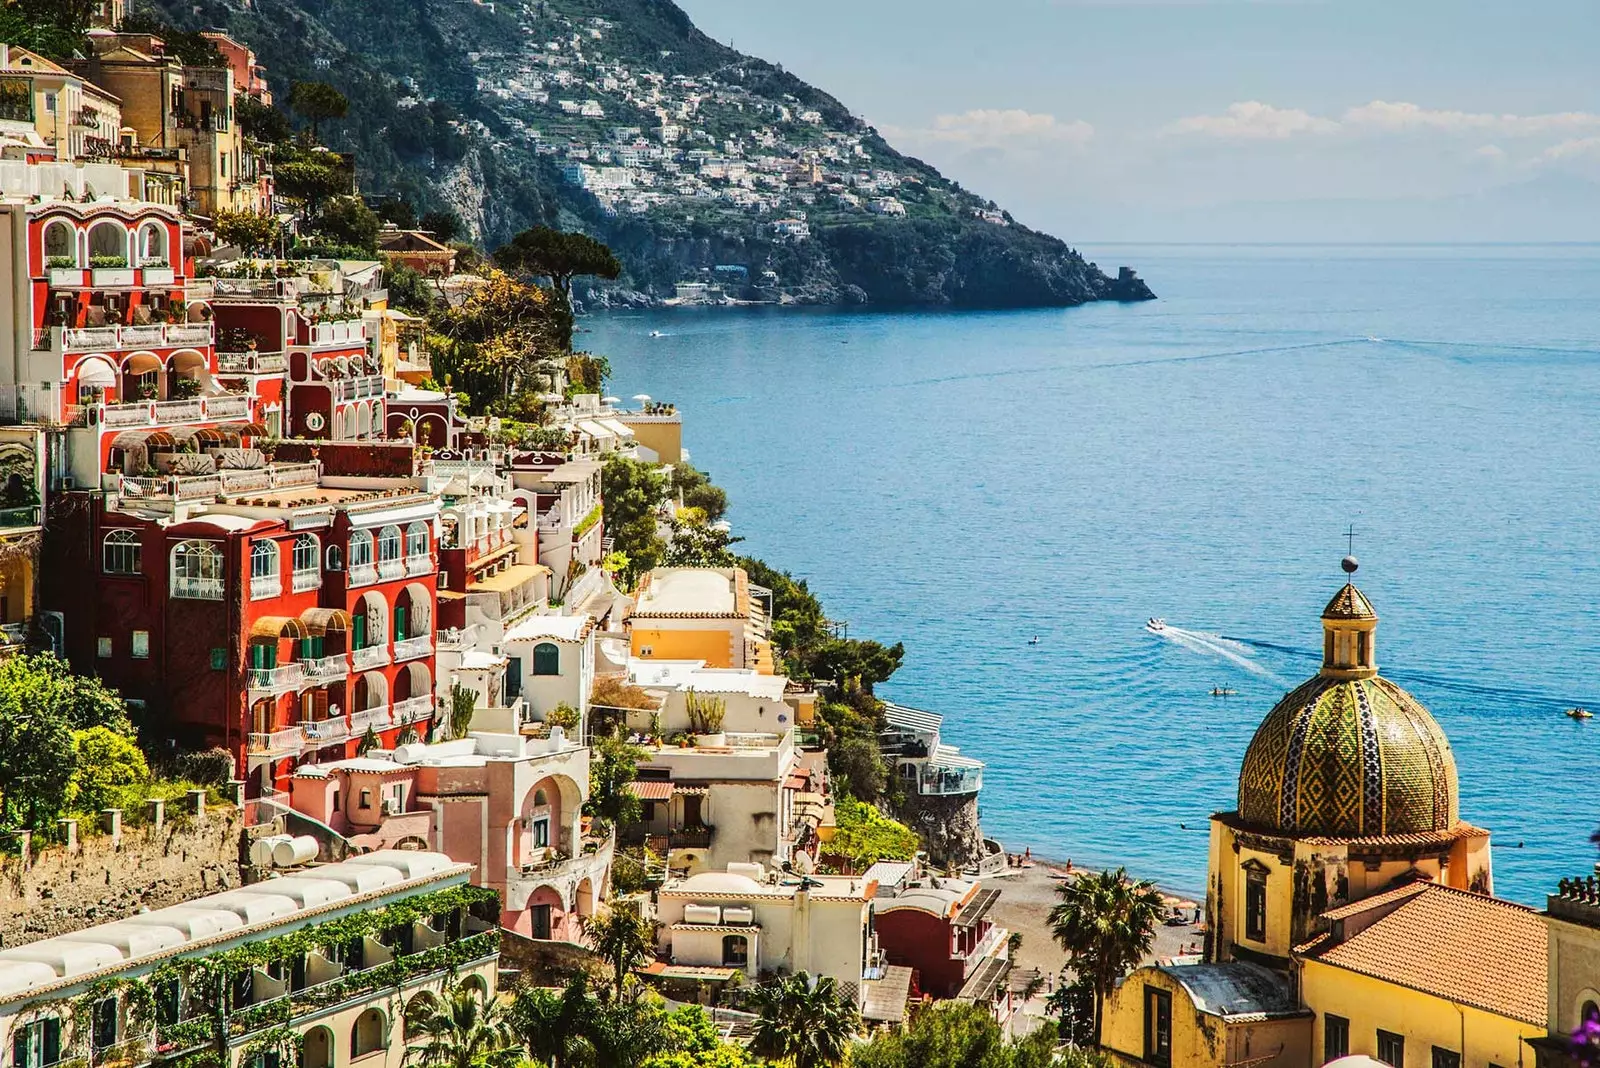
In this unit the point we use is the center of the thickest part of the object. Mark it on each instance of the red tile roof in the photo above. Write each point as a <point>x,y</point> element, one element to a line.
<point>651,789</point>
<point>1453,944</point>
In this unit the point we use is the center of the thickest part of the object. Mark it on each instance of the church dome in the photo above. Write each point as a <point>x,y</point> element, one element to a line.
<point>1348,754</point>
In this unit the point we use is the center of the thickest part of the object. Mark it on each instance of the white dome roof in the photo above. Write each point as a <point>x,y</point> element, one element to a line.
<point>720,882</point>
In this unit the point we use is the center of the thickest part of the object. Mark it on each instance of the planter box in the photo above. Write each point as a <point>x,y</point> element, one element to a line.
<point>158,276</point>
<point>113,276</point>
<point>66,276</point>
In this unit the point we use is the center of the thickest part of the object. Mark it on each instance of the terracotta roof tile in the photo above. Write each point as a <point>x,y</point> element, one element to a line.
<point>1452,944</point>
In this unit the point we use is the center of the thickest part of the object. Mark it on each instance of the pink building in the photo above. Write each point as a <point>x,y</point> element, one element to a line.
<point>508,799</point>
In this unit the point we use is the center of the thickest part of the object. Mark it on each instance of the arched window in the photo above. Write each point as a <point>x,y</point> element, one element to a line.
<point>153,245</point>
<point>546,659</point>
<point>59,244</point>
<point>108,244</point>
<point>121,553</point>
<point>369,1033</point>
<point>388,544</point>
<point>540,799</point>
<point>335,558</point>
<point>361,548</point>
<point>264,572</point>
<point>735,951</point>
<point>418,1010</point>
<point>417,541</point>
<point>1590,1011</point>
<point>307,575</point>
<point>197,571</point>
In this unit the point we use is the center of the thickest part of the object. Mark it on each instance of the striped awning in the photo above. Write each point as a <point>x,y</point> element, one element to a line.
<point>651,789</point>
<point>134,439</point>
<point>912,719</point>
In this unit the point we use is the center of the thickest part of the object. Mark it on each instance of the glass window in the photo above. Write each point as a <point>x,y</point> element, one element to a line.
<point>1392,1049</point>
<point>1446,1058</point>
<point>197,571</point>
<point>120,554</point>
<point>417,540</point>
<point>546,659</point>
<point>1255,906</point>
<point>1335,1037</point>
<point>264,560</point>
<point>360,548</point>
<point>541,832</point>
<point>1157,1026</point>
<point>735,951</point>
<point>513,678</point>
<point>104,1023</point>
<point>139,648</point>
<point>103,648</point>
<point>60,242</point>
<point>388,544</point>
<point>36,1044</point>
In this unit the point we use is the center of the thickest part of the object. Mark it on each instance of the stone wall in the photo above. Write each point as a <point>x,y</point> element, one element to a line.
<point>528,961</point>
<point>948,825</point>
<point>102,877</point>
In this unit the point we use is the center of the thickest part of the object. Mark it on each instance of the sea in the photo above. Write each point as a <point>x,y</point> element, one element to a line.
<point>968,482</point>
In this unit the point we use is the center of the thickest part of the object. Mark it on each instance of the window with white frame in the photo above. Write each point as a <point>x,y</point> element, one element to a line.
<point>361,548</point>
<point>417,541</point>
<point>388,544</point>
<point>120,554</point>
<point>197,570</point>
<point>265,578</point>
<point>305,558</point>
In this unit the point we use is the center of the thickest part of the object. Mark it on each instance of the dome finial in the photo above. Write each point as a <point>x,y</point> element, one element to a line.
<point>1349,564</point>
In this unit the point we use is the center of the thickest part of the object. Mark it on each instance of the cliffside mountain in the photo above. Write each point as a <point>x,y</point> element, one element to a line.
<point>696,163</point>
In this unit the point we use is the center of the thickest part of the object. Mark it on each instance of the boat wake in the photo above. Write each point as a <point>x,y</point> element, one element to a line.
<point>1205,643</point>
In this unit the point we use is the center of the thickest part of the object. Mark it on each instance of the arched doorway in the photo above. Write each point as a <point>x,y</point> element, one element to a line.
<point>317,1052</point>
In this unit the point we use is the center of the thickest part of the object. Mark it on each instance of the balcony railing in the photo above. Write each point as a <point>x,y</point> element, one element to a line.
<point>203,487</point>
<point>350,331</point>
<point>411,648</point>
<point>282,677</point>
<point>228,407</point>
<point>277,743</point>
<point>336,666</point>
<point>117,338</point>
<point>255,363</point>
<point>324,731</point>
<point>363,574</point>
<point>413,709</point>
<point>370,657</point>
<point>419,565</point>
<point>377,718</point>
<point>388,570</point>
<point>303,581</point>
<point>173,412</point>
<point>263,586</point>
<point>11,518</point>
<point>356,388</point>
<point>197,589</point>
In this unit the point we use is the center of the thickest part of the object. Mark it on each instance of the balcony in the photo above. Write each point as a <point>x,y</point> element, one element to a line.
<point>356,388</point>
<point>371,657</point>
<point>230,406</point>
<point>252,363</point>
<point>389,570</point>
<point>278,679</point>
<point>119,338</point>
<point>264,586</point>
<point>413,709</point>
<point>204,487</point>
<point>197,588</point>
<point>171,412</point>
<point>17,518</point>
<point>363,574</point>
<point>419,565</point>
<point>305,581</point>
<point>340,334</point>
<point>412,648</point>
<point>326,731</point>
<point>321,668</point>
<point>377,718</point>
<point>276,743</point>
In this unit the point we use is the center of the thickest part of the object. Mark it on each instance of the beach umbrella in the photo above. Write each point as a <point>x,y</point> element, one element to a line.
<point>610,400</point>
<point>641,396</point>
<point>1171,900</point>
<point>1188,904</point>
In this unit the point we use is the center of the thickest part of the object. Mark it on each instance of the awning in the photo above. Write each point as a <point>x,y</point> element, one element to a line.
<point>651,789</point>
<point>143,439</point>
<point>911,719</point>
<point>253,430</point>
<point>982,983</point>
<point>619,429</point>
<point>947,756</point>
<point>976,908</point>
<point>209,434</point>
<point>278,627</point>
<point>594,429</point>
<point>886,997</point>
<point>322,620</point>
<point>509,579</point>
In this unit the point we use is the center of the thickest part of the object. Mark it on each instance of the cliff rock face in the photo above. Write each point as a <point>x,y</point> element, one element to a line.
<point>620,118</point>
<point>948,825</point>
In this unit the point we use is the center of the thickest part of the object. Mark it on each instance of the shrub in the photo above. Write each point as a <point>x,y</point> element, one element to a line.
<point>211,767</point>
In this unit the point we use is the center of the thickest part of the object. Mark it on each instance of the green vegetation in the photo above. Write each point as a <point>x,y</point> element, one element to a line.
<point>806,1020</point>
<point>317,102</point>
<point>622,936</point>
<point>614,764</point>
<point>574,1028</point>
<point>463,1030</point>
<point>866,836</point>
<point>1107,923</point>
<point>952,1035</point>
<point>696,490</point>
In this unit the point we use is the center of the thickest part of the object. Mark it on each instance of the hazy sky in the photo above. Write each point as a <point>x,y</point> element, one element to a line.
<point>1258,120</point>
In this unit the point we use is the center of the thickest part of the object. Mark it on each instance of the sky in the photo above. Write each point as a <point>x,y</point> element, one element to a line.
<point>1222,120</point>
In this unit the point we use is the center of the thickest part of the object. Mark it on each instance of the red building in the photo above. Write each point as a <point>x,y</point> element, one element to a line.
<point>940,928</point>
<point>282,619</point>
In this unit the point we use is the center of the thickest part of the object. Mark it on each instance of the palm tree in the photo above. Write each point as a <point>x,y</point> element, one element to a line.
<point>464,1030</point>
<point>1106,923</point>
<point>553,1025</point>
<point>805,1019</point>
<point>623,936</point>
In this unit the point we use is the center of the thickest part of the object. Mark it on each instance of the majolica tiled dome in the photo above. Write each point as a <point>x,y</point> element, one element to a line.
<point>1349,754</point>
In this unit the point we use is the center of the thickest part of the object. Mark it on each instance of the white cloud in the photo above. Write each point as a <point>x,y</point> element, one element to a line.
<point>1003,126</point>
<point>1254,120</point>
<point>1572,148</point>
<point>1251,120</point>
<point>1490,152</point>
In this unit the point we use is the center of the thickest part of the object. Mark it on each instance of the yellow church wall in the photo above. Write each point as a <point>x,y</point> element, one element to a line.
<point>664,438</point>
<point>1574,975</point>
<point>712,646</point>
<point>1482,1038</point>
<point>1199,1039</point>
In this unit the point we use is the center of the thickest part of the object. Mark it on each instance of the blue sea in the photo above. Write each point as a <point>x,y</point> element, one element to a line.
<point>964,482</point>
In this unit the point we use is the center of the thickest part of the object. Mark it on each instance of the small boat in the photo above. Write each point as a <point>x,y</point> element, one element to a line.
<point>1222,691</point>
<point>1033,640</point>
<point>1155,625</point>
<point>1579,713</point>
<point>657,333</point>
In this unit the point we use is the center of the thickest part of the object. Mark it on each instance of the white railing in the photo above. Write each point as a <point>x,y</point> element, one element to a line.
<point>227,482</point>
<point>227,407</point>
<point>277,742</point>
<point>413,709</point>
<point>411,648</point>
<point>356,388</point>
<point>340,333</point>
<point>252,362</point>
<point>113,338</point>
<point>263,586</point>
<point>126,414</point>
<point>336,666</point>
<point>178,411</point>
<point>302,581</point>
<point>376,718</point>
<point>419,565</point>
<point>391,569</point>
<point>282,677</point>
<point>323,731</point>
<point>370,657</point>
<point>363,574</point>
<point>753,741</point>
<point>13,633</point>
<point>197,589</point>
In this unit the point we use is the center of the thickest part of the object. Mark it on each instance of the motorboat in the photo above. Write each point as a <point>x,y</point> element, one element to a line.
<point>1579,713</point>
<point>1222,691</point>
<point>1155,625</point>
<point>657,333</point>
<point>1033,640</point>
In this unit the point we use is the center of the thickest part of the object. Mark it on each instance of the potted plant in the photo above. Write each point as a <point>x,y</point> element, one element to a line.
<point>186,388</point>
<point>705,719</point>
<point>148,389</point>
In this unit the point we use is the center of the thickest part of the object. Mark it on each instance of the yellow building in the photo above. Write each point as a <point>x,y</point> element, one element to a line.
<point>44,105</point>
<point>21,507</point>
<point>1573,947</point>
<point>1348,882</point>
<point>714,614</point>
<point>657,429</point>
